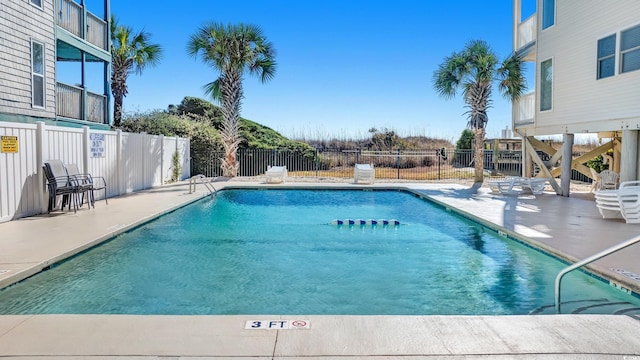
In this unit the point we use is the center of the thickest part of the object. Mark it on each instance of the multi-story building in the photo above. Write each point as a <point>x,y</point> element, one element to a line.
<point>55,62</point>
<point>587,79</point>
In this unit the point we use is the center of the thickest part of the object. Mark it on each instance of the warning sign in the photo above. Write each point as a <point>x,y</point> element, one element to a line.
<point>9,144</point>
<point>96,145</point>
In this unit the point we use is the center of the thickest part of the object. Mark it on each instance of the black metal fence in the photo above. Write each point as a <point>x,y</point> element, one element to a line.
<point>429,164</point>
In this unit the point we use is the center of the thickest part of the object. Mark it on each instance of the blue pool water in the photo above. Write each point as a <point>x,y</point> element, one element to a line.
<point>274,252</point>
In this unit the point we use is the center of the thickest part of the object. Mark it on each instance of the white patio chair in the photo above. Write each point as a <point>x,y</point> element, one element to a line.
<point>608,180</point>
<point>276,174</point>
<point>364,172</point>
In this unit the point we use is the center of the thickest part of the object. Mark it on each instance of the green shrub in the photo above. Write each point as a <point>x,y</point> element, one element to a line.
<point>466,140</point>
<point>205,140</point>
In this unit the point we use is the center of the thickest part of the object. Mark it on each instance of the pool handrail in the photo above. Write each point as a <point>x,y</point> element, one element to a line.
<point>203,180</point>
<point>608,251</point>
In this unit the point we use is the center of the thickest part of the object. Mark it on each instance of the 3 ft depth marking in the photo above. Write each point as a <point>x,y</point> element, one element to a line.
<point>277,324</point>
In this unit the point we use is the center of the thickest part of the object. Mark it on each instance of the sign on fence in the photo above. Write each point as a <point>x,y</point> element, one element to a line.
<point>9,144</point>
<point>97,145</point>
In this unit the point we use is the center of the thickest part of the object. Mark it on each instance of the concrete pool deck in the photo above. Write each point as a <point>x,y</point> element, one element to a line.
<point>569,227</point>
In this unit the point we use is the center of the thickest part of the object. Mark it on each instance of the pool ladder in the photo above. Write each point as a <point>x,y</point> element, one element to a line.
<point>202,180</point>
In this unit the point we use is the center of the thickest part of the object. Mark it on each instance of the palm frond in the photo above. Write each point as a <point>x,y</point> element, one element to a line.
<point>512,83</point>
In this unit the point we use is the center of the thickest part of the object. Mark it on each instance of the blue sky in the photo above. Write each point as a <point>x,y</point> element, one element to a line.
<point>343,66</point>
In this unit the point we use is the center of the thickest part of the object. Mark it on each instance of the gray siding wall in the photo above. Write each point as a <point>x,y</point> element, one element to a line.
<point>580,101</point>
<point>20,22</point>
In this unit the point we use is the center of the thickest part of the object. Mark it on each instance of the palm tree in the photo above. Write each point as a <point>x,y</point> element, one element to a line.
<point>130,52</point>
<point>474,70</point>
<point>232,50</point>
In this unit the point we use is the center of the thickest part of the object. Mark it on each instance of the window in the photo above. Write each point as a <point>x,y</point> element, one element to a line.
<point>546,84</point>
<point>630,49</point>
<point>548,13</point>
<point>607,56</point>
<point>37,73</point>
<point>36,3</point>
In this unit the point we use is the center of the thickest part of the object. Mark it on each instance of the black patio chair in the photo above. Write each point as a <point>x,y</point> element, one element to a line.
<point>88,183</point>
<point>60,183</point>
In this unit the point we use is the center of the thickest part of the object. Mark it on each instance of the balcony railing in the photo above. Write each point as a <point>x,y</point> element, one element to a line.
<point>68,101</point>
<point>96,31</point>
<point>69,104</point>
<point>525,110</point>
<point>70,17</point>
<point>96,107</point>
<point>527,31</point>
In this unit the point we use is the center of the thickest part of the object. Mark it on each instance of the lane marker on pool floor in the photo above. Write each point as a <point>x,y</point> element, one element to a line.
<point>277,325</point>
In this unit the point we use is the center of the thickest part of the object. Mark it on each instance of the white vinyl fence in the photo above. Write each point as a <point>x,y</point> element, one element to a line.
<point>128,162</point>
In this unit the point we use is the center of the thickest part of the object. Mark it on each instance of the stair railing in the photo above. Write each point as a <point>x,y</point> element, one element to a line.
<point>589,260</point>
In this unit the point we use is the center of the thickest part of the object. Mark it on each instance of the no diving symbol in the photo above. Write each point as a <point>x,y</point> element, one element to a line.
<point>299,323</point>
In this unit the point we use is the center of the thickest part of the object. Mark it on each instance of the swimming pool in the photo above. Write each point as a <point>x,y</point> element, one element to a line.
<point>275,252</point>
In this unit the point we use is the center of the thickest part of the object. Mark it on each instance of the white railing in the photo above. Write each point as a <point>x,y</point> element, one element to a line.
<point>525,110</point>
<point>129,162</point>
<point>527,31</point>
<point>68,101</point>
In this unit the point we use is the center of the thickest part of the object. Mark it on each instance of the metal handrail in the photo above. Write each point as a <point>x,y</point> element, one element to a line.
<point>194,180</point>
<point>590,259</point>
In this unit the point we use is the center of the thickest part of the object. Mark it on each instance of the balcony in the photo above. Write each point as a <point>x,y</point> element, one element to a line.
<point>70,104</point>
<point>526,37</point>
<point>524,110</point>
<point>72,17</point>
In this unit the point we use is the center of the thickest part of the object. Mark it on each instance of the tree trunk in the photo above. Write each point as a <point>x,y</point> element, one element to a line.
<point>231,89</point>
<point>117,111</point>
<point>478,157</point>
<point>119,72</point>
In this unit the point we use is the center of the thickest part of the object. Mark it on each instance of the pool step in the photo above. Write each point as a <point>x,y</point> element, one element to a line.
<point>591,306</point>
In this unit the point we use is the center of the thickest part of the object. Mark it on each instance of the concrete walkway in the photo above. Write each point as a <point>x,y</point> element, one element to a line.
<point>570,227</point>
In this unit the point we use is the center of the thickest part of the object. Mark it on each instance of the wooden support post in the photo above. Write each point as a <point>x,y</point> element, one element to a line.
<point>577,162</point>
<point>534,156</point>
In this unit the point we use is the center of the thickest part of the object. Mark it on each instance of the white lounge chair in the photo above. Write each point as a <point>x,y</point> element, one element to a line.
<point>518,184</point>
<point>276,174</point>
<point>504,186</point>
<point>623,203</point>
<point>364,172</point>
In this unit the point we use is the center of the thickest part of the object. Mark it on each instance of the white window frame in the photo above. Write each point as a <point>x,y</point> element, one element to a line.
<point>620,52</point>
<point>615,56</point>
<point>41,6</point>
<point>34,74</point>
<point>552,81</point>
<point>542,15</point>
